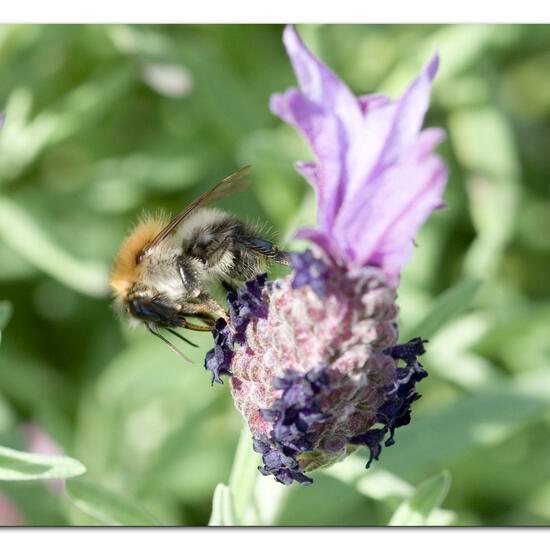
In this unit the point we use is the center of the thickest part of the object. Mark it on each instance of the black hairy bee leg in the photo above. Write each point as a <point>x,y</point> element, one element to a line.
<point>209,249</point>
<point>267,249</point>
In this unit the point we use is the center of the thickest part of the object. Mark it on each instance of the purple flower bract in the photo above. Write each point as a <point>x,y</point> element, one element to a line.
<point>375,176</point>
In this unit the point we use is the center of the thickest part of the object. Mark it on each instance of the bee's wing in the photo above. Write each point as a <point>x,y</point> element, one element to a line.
<point>228,185</point>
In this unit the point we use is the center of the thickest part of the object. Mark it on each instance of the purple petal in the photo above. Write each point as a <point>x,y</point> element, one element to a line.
<point>295,416</point>
<point>309,171</point>
<point>328,115</point>
<point>316,236</point>
<point>381,226</point>
<point>309,271</point>
<point>320,128</point>
<point>369,102</point>
<point>375,177</point>
<point>390,129</point>
<point>320,85</point>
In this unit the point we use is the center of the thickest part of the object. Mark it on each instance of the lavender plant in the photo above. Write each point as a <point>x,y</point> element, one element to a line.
<point>313,360</point>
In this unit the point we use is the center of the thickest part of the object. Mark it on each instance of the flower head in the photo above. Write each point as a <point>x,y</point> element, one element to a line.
<point>313,359</point>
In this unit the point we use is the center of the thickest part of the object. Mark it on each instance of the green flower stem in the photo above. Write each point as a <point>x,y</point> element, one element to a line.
<point>244,473</point>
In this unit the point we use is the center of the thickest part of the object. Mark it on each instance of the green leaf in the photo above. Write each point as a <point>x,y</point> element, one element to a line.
<point>379,484</point>
<point>5,315</point>
<point>22,234</point>
<point>19,466</point>
<point>459,46</point>
<point>223,513</point>
<point>374,483</point>
<point>7,415</point>
<point>231,503</point>
<point>433,441</point>
<point>484,142</point>
<point>270,501</point>
<point>243,474</point>
<point>440,517</point>
<point>106,506</point>
<point>447,305</point>
<point>427,498</point>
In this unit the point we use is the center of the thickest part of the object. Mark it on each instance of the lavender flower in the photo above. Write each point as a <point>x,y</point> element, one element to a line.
<point>312,358</point>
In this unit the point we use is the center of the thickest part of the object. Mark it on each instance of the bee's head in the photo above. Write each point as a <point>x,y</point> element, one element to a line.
<point>127,268</point>
<point>154,308</point>
<point>157,312</point>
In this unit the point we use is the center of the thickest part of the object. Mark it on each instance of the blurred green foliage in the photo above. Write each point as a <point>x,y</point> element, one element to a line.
<point>104,121</point>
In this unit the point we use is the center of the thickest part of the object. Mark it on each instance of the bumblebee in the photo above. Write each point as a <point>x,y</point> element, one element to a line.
<point>165,269</point>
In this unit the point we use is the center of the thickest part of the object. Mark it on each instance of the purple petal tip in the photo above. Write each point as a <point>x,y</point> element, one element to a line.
<point>291,39</point>
<point>432,66</point>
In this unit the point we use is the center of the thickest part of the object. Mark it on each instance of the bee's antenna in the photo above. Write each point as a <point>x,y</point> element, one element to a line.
<point>168,343</point>
<point>181,337</point>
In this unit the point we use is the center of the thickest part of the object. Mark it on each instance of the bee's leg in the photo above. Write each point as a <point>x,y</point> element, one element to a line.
<point>207,309</point>
<point>282,257</point>
<point>215,308</point>
<point>209,249</point>
<point>266,248</point>
<point>209,327</point>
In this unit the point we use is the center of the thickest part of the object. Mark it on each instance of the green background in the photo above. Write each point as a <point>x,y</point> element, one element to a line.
<point>105,121</point>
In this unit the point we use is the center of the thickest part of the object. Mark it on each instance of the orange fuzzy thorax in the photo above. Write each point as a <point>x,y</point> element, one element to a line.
<point>126,270</point>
